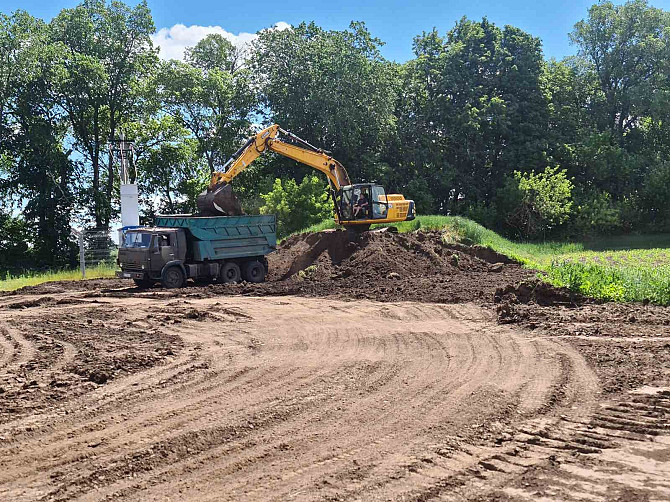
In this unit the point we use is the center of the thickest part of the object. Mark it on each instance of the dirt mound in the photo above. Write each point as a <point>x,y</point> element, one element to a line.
<point>538,292</point>
<point>386,266</point>
<point>56,287</point>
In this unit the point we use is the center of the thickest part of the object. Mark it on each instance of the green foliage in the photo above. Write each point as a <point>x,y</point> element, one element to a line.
<point>210,97</point>
<point>596,213</point>
<point>13,244</point>
<point>331,88</point>
<point>535,203</point>
<point>297,205</point>
<point>470,112</point>
<point>104,52</point>
<point>170,171</point>
<point>656,194</point>
<point>629,48</point>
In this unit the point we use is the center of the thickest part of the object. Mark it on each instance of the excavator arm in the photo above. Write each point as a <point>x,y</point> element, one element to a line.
<point>268,140</point>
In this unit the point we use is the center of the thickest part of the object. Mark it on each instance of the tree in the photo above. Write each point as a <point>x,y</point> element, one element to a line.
<point>629,48</point>
<point>471,111</point>
<point>332,88</point>
<point>535,203</point>
<point>170,172</point>
<point>210,96</point>
<point>297,206</point>
<point>36,171</point>
<point>14,250</point>
<point>107,52</point>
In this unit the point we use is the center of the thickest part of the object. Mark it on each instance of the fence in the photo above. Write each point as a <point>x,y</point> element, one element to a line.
<point>96,248</point>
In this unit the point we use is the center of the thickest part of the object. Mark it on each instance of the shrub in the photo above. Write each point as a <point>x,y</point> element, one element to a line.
<point>596,214</point>
<point>533,204</point>
<point>297,205</point>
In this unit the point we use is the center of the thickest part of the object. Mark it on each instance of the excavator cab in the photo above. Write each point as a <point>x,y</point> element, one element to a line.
<point>367,203</point>
<point>363,201</point>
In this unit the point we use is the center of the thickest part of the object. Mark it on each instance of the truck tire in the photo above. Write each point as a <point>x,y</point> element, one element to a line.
<point>254,271</point>
<point>143,283</point>
<point>173,277</point>
<point>230,272</point>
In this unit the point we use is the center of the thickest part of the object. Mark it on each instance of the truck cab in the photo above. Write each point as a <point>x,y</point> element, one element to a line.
<point>146,253</point>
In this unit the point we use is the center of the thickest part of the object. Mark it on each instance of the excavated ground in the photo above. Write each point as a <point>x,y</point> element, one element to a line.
<point>398,368</point>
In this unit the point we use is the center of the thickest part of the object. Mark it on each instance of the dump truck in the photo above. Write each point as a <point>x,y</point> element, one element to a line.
<point>205,249</point>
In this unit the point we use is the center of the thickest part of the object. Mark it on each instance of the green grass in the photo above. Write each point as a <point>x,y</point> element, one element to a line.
<point>627,268</point>
<point>620,268</point>
<point>10,283</point>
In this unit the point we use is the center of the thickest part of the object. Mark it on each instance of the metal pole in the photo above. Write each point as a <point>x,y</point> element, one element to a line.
<point>82,259</point>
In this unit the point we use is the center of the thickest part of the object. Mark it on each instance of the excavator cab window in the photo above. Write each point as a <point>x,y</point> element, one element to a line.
<point>363,202</point>
<point>347,203</point>
<point>379,204</point>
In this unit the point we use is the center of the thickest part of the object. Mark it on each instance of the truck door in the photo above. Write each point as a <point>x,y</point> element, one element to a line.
<point>167,244</point>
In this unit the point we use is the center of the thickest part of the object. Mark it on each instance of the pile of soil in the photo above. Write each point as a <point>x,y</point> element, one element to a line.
<point>385,266</point>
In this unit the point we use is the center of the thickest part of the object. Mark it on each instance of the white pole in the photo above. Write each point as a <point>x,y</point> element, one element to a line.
<point>82,259</point>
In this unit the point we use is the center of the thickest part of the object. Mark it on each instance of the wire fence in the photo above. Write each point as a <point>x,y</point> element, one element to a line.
<point>96,248</point>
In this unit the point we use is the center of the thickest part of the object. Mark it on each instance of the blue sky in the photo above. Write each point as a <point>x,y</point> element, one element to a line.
<point>395,22</point>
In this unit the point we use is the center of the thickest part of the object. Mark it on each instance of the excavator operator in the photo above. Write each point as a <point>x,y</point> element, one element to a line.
<point>361,206</point>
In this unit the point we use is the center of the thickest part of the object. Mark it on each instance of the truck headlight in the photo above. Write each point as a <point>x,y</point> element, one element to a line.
<point>142,267</point>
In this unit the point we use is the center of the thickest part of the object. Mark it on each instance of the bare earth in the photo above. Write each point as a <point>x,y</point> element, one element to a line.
<point>108,392</point>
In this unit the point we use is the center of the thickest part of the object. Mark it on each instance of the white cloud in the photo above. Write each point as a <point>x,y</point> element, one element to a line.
<point>174,41</point>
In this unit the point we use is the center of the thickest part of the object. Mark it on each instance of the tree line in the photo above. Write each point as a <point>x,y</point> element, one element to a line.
<point>477,123</point>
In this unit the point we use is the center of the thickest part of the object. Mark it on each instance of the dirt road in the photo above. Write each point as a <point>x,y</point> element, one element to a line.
<point>403,367</point>
<point>289,398</point>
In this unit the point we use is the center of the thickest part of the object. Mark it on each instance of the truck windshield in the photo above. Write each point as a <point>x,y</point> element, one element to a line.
<point>136,240</point>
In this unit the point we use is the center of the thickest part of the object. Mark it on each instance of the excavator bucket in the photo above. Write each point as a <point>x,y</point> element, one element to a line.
<point>219,202</point>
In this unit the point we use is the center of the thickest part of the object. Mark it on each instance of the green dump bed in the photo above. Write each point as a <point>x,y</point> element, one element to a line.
<point>225,237</point>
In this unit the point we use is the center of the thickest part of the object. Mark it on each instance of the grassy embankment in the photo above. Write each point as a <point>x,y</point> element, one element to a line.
<point>10,283</point>
<point>623,268</point>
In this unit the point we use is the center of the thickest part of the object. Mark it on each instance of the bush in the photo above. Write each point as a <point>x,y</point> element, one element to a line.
<point>483,214</point>
<point>596,214</point>
<point>297,205</point>
<point>14,248</point>
<point>534,204</point>
<point>656,194</point>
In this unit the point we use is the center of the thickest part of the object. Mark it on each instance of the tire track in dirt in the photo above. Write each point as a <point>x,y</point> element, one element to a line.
<point>7,347</point>
<point>23,349</point>
<point>620,453</point>
<point>314,399</point>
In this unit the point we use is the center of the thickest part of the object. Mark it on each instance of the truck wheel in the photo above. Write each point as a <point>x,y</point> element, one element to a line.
<point>230,272</point>
<point>254,271</point>
<point>143,283</point>
<point>173,277</point>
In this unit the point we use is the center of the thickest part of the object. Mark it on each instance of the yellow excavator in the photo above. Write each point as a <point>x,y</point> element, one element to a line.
<point>357,206</point>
